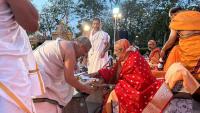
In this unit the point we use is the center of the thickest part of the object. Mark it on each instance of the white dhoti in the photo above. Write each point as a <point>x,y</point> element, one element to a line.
<point>45,107</point>
<point>15,85</point>
<point>95,62</point>
<point>98,40</point>
<point>16,61</point>
<point>9,107</point>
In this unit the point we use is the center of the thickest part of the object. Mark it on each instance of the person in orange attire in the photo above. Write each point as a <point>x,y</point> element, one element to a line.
<point>187,24</point>
<point>154,54</point>
<point>185,27</point>
<point>136,90</point>
<point>173,57</point>
<point>174,54</point>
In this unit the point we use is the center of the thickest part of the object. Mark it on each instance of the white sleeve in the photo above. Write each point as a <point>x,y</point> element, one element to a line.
<point>106,37</point>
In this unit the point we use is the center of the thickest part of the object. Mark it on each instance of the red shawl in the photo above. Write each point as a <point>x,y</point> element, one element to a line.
<point>136,85</point>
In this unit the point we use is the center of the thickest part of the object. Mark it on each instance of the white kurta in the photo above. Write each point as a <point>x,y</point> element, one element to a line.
<point>16,59</point>
<point>95,62</point>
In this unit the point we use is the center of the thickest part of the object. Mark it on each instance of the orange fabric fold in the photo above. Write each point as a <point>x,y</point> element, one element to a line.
<point>186,20</point>
<point>189,46</point>
<point>173,57</point>
<point>154,56</point>
<point>190,51</point>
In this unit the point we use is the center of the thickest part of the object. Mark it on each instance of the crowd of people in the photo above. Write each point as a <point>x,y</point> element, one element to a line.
<point>43,81</point>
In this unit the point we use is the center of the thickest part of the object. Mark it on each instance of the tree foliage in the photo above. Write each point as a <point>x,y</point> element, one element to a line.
<point>143,19</point>
<point>53,12</point>
<point>87,9</point>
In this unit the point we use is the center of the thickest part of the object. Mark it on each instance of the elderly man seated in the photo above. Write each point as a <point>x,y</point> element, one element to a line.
<point>136,90</point>
<point>154,54</point>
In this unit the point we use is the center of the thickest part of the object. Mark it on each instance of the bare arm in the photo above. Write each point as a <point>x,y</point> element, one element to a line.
<point>170,42</point>
<point>25,14</point>
<point>107,46</point>
<point>69,63</point>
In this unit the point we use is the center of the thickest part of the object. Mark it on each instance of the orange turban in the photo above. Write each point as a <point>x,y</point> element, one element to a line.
<point>186,20</point>
<point>122,44</point>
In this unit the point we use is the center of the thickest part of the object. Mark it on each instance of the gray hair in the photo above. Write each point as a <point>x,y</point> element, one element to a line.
<point>84,41</point>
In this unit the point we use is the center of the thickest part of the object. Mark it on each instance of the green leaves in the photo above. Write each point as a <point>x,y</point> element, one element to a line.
<point>143,19</point>
<point>53,12</point>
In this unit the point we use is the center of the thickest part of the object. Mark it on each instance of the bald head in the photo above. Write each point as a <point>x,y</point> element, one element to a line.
<point>152,44</point>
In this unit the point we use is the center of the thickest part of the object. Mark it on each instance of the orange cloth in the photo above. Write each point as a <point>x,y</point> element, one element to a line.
<point>154,56</point>
<point>122,44</point>
<point>178,72</point>
<point>186,20</point>
<point>190,51</point>
<point>189,46</point>
<point>173,57</point>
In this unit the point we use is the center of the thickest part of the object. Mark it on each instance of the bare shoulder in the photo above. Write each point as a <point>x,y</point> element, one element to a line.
<point>173,31</point>
<point>173,34</point>
<point>67,49</point>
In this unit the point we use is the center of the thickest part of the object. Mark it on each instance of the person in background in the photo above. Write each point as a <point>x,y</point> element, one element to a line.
<point>17,63</point>
<point>171,44</point>
<point>98,54</point>
<point>154,54</point>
